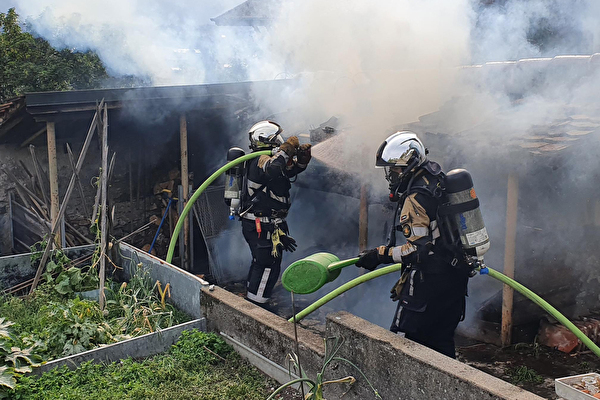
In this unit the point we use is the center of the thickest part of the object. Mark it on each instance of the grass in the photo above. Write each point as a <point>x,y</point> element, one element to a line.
<point>199,366</point>
<point>523,374</point>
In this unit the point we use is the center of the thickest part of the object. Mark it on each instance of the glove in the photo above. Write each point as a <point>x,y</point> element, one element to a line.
<point>396,291</point>
<point>304,155</point>
<point>370,259</point>
<point>290,146</point>
<point>289,243</point>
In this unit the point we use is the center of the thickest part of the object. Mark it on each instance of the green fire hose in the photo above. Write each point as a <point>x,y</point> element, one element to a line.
<point>396,267</point>
<point>344,288</point>
<point>543,304</point>
<point>202,188</point>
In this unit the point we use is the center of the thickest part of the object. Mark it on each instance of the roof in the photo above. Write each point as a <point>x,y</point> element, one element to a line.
<point>24,116</point>
<point>249,13</point>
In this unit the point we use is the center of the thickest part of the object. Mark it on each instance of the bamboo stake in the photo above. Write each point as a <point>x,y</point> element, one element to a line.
<point>62,210</point>
<point>509,257</point>
<point>103,207</point>
<point>79,186</point>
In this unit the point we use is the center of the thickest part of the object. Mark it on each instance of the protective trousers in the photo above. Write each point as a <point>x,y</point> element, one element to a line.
<point>265,267</point>
<point>430,307</point>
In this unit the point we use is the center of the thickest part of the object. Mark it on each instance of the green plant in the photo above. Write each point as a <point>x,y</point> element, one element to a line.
<point>523,374</point>
<point>14,358</point>
<point>316,385</point>
<point>188,372</point>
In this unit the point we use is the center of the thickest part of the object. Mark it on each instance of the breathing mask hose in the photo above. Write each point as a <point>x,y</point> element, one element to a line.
<point>543,304</point>
<point>202,188</point>
<point>344,288</point>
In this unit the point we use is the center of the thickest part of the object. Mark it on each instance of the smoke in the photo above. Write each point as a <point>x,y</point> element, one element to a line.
<point>379,67</point>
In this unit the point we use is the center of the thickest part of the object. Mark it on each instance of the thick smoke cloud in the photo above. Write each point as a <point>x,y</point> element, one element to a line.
<point>379,67</point>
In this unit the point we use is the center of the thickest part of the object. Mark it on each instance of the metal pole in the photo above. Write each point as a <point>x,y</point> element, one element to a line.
<point>512,195</point>
<point>53,172</point>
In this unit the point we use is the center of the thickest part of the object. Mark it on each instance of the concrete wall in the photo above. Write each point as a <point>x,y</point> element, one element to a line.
<point>397,368</point>
<point>185,287</point>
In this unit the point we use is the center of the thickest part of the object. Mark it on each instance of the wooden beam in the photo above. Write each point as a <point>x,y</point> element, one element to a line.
<point>53,172</point>
<point>512,195</point>
<point>55,225</point>
<point>185,186</point>
<point>33,137</point>
<point>38,174</point>
<point>79,186</point>
<point>363,218</point>
<point>103,207</point>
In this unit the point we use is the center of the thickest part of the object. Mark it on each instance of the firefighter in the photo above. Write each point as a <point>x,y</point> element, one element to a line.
<point>266,201</point>
<point>433,284</point>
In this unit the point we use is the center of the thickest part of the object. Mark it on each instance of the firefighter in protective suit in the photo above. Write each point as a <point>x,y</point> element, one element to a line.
<point>266,201</point>
<point>433,284</point>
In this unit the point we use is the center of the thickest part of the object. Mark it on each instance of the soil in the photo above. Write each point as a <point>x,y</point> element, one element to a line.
<point>548,363</point>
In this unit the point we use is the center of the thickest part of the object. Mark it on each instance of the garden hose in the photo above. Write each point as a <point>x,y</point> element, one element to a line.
<point>344,288</point>
<point>484,270</point>
<point>543,304</point>
<point>201,189</point>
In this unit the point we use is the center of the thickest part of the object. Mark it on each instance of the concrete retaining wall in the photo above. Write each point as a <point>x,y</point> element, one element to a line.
<point>397,368</point>
<point>185,287</point>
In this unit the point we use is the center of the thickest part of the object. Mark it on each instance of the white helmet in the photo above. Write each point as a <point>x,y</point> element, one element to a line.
<point>265,135</point>
<point>402,150</point>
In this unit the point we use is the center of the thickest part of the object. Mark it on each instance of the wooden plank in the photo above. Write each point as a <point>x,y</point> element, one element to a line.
<point>363,218</point>
<point>62,210</point>
<point>185,185</point>
<point>78,180</point>
<point>38,174</point>
<point>512,195</point>
<point>103,207</point>
<point>53,173</point>
<point>33,137</point>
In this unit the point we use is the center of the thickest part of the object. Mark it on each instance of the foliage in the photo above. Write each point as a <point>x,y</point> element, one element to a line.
<point>15,358</point>
<point>189,371</point>
<point>31,64</point>
<point>523,374</point>
<point>316,385</point>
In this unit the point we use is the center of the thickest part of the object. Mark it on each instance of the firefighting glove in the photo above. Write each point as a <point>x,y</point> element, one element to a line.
<point>290,146</point>
<point>370,259</point>
<point>288,242</point>
<point>281,241</point>
<point>304,155</point>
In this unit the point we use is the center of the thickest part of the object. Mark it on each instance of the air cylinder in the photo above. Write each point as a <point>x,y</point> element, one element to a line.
<point>464,213</point>
<point>233,181</point>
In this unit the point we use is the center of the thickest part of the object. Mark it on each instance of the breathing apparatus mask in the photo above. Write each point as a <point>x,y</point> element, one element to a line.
<point>400,156</point>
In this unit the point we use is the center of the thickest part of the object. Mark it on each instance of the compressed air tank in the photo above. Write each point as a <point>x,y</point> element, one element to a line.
<point>463,210</point>
<point>234,178</point>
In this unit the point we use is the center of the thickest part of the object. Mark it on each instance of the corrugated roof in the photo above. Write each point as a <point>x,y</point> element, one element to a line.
<point>249,13</point>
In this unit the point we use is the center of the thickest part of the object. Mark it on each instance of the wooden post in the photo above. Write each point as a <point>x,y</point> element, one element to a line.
<point>61,212</point>
<point>185,186</point>
<point>512,196</point>
<point>53,172</point>
<point>363,218</point>
<point>103,207</point>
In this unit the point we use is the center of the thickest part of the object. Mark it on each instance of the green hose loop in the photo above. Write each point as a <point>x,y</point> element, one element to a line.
<point>202,188</point>
<point>547,307</point>
<point>344,288</point>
